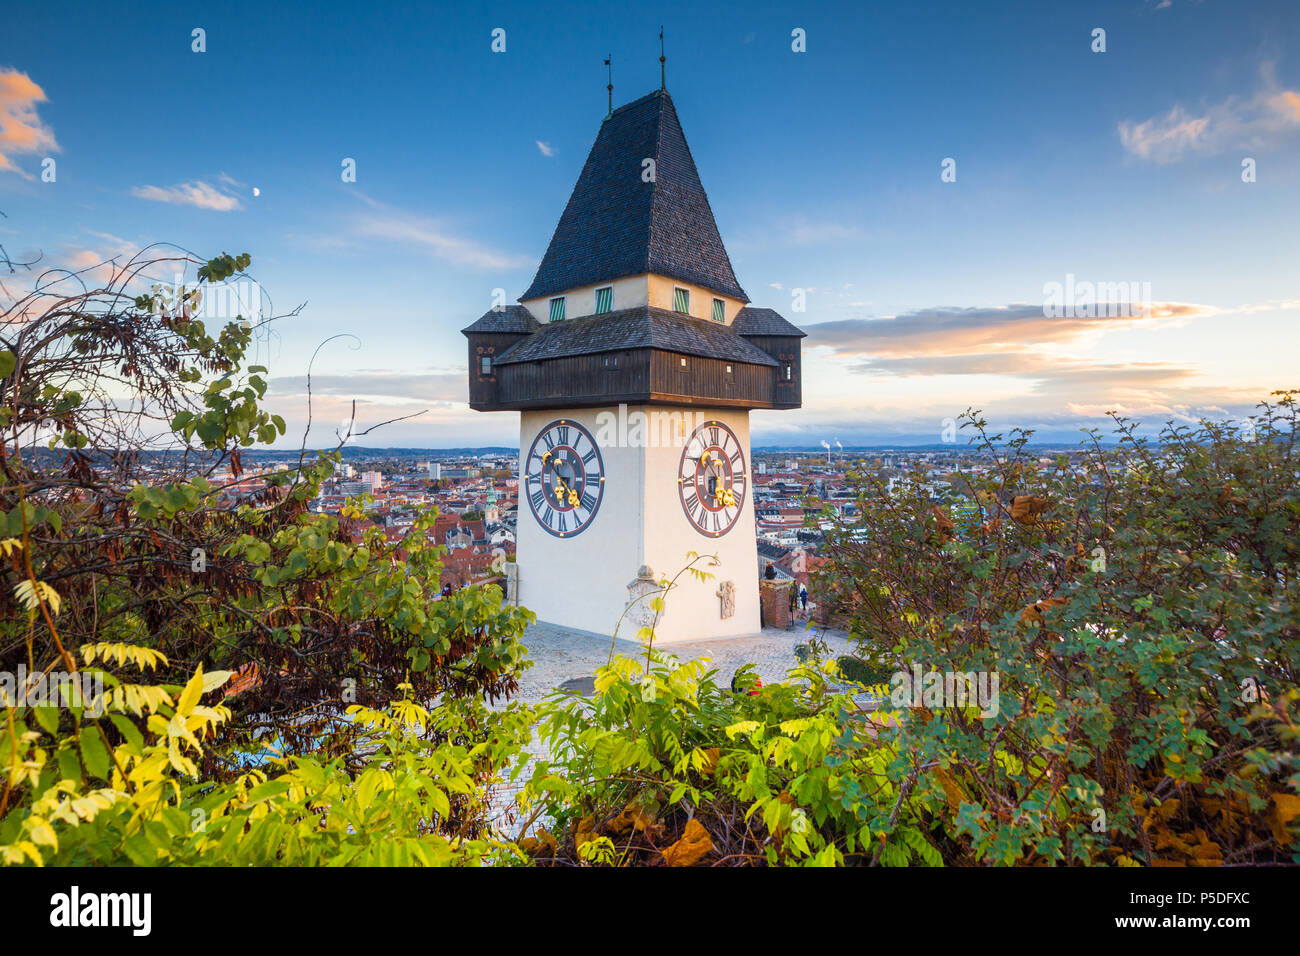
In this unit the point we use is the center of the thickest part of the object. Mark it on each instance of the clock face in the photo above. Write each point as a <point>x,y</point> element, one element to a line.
<point>564,478</point>
<point>711,479</point>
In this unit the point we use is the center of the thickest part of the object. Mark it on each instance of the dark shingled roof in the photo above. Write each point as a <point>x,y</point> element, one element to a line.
<point>752,321</point>
<point>617,225</point>
<point>642,327</point>
<point>510,318</point>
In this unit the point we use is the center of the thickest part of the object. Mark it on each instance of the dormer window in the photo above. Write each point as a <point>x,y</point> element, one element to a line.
<point>719,311</point>
<point>557,309</point>
<point>605,300</point>
<point>682,300</point>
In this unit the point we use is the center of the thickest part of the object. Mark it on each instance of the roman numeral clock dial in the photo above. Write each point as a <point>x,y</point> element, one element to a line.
<point>711,479</point>
<point>564,478</point>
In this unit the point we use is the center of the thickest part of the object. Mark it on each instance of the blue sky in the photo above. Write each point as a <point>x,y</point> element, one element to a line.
<point>822,167</point>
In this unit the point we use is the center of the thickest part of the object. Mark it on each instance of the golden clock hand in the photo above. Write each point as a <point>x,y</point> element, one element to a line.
<point>565,493</point>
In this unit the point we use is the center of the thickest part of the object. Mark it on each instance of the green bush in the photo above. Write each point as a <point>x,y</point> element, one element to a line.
<point>1140,605</point>
<point>663,766</point>
<point>323,642</point>
<point>862,671</point>
<point>413,797</point>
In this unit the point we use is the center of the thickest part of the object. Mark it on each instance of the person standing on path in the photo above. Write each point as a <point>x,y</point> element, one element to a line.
<point>803,598</point>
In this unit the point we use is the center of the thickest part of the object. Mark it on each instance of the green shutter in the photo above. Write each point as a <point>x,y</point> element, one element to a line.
<point>682,301</point>
<point>557,309</point>
<point>604,300</point>
<point>719,311</point>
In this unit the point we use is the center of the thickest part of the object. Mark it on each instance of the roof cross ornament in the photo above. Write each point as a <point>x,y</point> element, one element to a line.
<point>662,81</point>
<point>609,74</point>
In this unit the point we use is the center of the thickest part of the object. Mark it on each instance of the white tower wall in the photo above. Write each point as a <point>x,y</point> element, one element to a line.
<point>581,581</point>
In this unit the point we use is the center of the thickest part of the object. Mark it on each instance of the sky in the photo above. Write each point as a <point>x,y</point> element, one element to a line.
<point>906,188</point>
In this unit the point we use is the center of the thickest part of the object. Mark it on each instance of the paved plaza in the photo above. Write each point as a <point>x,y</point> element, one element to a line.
<point>561,654</point>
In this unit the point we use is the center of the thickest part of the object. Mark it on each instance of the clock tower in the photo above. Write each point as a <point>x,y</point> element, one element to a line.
<point>634,359</point>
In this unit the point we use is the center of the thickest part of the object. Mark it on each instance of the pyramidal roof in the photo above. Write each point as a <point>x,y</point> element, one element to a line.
<point>617,224</point>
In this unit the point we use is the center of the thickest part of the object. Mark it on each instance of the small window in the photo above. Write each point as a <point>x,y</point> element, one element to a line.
<point>557,309</point>
<point>728,369</point>
<point>605,300</point>
<point>719,311</point>
<point>485,365</point>
<point>683,363</point>
<point>611,361</point>
<point>682,300</point>
<point>787,372</point>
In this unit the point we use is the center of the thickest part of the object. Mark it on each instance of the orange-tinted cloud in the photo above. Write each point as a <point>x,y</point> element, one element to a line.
<point>1287,102</point>
<point>1038,366</point>
<point>22,131</point>
<point>962,331</point>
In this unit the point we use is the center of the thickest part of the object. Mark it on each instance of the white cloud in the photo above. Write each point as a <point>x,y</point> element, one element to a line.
<point>1164,139</point>
<point>428,234</point>
<point>433,235</point>
<point>546,148</point>
<point>379,386</point>
<point>198,193</point>
<point>1268,116</point>
<point>805,233</point>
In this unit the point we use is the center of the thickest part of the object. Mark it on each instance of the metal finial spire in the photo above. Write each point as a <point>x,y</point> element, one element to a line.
<point>662,83</point>
<point>609,73</point>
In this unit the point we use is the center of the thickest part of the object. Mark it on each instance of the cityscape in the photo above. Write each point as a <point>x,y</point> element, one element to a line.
<point>798,494</point>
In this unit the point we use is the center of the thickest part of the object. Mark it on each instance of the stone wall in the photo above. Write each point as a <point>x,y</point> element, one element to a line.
<point>774,600</point>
